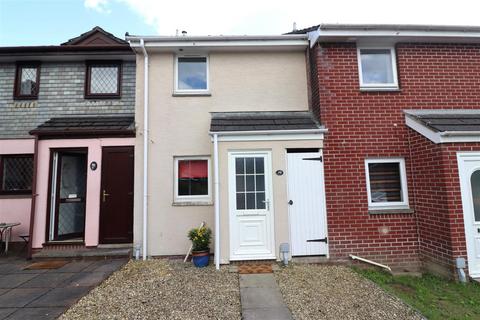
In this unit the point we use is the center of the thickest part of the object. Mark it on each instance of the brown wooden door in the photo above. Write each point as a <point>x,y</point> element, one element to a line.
<point>116,195</point>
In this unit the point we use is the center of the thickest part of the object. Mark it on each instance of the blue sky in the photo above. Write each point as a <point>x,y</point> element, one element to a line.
<point>35,22</point>
<point>45,22</point>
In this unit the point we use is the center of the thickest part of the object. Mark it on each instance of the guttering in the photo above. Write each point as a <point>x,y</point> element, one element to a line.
<point>270,132</point>
<point>410,33</point>
<point>216,201</point>
<point>145,149</point>
<point>219,42</point>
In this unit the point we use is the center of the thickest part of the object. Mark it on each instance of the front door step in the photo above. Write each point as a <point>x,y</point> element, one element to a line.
<point>83,253</point>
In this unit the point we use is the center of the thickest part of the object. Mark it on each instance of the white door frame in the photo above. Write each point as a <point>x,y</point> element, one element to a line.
<point>322,198</point>
<point>467,205</point>
<point>232,202</point>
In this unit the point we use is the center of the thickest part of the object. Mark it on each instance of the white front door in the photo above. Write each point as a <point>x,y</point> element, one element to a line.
<point>469,170</point>
<point>251,206</point>
<point>307,214</point>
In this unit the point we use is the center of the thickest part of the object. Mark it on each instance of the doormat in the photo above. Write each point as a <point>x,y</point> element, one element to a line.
<point>254,268</point>
<point>54,264</point>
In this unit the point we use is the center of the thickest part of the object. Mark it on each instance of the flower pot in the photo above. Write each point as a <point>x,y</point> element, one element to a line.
<point>200,258</point>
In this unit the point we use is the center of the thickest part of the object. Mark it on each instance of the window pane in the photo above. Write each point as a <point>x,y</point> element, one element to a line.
<point>475,183</point>
<point>192,73</point>
<point>259,165</point>
<point>192,177</point>
<point>251,200</point>
<point>376,66</point>
<point>260,200</point>
<point>260,182</point>
<point>250,182</point>
<point>240,183</point>
<point>385,182</point>
<point>17,174</point>
<point>249,165</point>
<point>239,165</point>
<point>28,81</point>
<point>240,201</point>
<point>104,79</point>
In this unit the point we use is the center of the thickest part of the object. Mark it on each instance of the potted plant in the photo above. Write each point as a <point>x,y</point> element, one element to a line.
<point>200,238</point>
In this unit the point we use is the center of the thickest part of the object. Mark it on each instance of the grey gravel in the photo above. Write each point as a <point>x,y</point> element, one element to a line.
<point>162,289</point>
<point>337,292</point>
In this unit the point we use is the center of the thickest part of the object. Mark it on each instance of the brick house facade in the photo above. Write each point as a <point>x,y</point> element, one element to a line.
<point>434,72</point>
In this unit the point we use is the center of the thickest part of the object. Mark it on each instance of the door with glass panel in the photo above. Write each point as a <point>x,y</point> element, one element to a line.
<point>67,195</point>
<point>469,170</point>
<point>251,206</point>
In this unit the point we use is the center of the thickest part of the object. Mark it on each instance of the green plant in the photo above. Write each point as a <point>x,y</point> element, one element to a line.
<point>200,238</point>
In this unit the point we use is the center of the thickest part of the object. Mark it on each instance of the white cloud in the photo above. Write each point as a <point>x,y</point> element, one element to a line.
<point>98,5</point>
<point>277,16</point>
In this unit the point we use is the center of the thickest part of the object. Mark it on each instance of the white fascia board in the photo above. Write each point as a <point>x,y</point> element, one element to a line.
<point>442,137</point>
<point>316,134</point>
<point>172,43</point>
<point>393,35</point>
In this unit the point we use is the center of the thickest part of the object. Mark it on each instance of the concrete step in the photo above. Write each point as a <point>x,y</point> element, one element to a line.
<point>311,259</point>
<point>84,253</point>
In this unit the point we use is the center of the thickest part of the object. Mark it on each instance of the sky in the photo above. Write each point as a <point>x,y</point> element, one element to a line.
<point>45,22</point>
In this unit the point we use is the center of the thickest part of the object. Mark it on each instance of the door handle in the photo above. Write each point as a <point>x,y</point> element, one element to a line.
<point>267,203</point>
<point>290,202</point>
<point>104,195</point>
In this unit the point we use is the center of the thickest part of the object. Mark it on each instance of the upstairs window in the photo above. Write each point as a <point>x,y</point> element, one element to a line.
<point>16,173</point>
<point>103,80</point>
<point>377,68</point>
<point>191,75</point>
<point>192,176</point>
<point>27,81</point>
<point>386,183</point>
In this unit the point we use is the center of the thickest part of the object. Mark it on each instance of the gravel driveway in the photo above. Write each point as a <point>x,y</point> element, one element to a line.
<point>161,289</point>
<point>336,292</point>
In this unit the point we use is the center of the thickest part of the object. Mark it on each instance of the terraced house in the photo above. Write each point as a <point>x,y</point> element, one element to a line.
<point>338,140</point>
<point>67,139</point>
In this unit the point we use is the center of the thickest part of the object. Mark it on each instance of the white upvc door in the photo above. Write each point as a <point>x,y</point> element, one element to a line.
<point>251,206</point>
<point>307,214</point>
<point>469,171</point>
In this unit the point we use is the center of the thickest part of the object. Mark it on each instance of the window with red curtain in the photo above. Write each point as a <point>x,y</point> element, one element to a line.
<point>192,177</point>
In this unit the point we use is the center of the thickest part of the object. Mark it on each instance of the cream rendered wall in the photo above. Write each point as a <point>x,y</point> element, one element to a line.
<point>179,126</point>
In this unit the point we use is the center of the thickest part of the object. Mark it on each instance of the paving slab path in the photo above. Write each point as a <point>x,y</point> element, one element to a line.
<point>261,298</point>
<point>46,294</point>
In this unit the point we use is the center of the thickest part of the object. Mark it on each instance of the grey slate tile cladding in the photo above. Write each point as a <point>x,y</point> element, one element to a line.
<point>449,121</point>
<point>62,86</point>
<point>259,121</point>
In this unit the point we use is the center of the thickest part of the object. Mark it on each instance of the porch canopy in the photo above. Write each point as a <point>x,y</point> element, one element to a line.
<point>79,126</point>
<point>445,125</point>
<point>264,122</point>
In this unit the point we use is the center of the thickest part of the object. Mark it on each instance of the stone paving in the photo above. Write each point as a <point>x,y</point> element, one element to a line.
<point>261,298</point>
<point>46,294</point>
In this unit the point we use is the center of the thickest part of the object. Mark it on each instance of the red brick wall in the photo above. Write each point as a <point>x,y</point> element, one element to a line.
<point>371,124</point>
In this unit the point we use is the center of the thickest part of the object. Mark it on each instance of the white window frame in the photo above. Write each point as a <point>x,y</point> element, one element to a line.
<point>378,86</point>
<point>192,91</point>
<point>192,199</point>
<point>403,181</point>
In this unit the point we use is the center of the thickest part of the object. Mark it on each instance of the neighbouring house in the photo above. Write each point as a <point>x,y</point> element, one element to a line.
<point>226,139</point>
<point>67,141</point>
<point>402,153</point>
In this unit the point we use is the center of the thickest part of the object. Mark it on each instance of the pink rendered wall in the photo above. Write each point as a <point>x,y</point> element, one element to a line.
<point>92,220</point>
<point>16,208</point>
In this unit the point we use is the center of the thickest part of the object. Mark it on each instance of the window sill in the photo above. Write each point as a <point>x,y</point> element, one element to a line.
<point>191,94</point>
<point>390,211</point>
<point>16,196</point>
<point>192,203</point>
<point>380,89</point>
